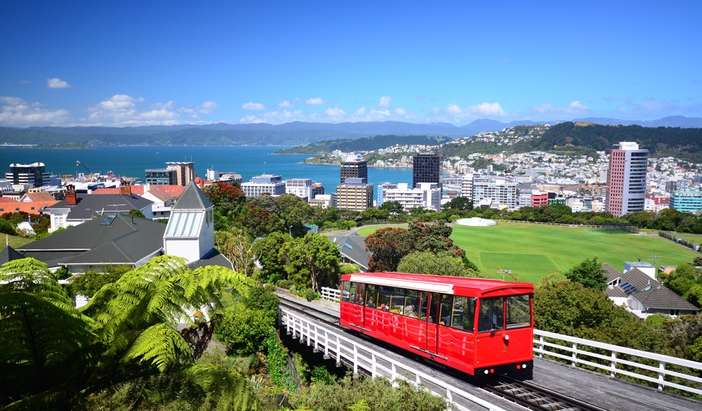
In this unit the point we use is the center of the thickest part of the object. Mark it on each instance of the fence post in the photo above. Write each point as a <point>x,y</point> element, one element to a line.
<point>661,375</point>
<point>316,339</point>
<point>575,355</point>
<point>338,351</point>
<point>541,346</point>
<point>393,374</point>
<point>326,344</point>
<point>613,369</point>
<point>374,365</point>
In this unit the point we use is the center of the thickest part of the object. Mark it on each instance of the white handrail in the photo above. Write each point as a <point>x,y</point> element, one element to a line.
<point>612,361</point>
<point>362,355</point>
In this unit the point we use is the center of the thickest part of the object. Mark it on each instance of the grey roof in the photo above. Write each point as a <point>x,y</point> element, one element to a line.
<point>614,291</point>
<point>662,298</point>
<point>214,257</point>
<point>124,240</point>
<point>637,279</point>
<point>353,247</point>
<point>90,205</point>
<point>9,254</point>
<point>612,273</point>
<point>192,199</point>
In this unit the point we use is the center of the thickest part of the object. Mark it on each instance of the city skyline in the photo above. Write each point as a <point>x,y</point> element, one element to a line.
<point>164,63</point>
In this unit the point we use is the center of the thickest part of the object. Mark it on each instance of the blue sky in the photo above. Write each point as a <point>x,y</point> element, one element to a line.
<point>135,62</point>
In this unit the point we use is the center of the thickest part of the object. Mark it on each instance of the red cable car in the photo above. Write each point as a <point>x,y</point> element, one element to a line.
<point>479,326</point>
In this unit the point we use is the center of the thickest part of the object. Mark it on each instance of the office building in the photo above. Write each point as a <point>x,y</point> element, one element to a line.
<point>354,194</point>
<point>467,186</point>
<point>494,192</point>
<point>425,195</point>
<point>323,201</point>
<point>626,179</point>
<point>317,188</point>
<point>426,168</point>
<point>539,199</point>
<point>185,171</point>
<point>30,175</point>
<point>160,176</point>
<point>299,187</point>
<point>265,184</point>
<point>689,200</point>
<point>354,166</point>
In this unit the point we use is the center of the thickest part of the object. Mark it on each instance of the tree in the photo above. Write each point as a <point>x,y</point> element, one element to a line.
<point>589,273</point>
<point>387,246</point>
<point>312,261</point>
<point>268,254</point>
<point>236,245</point>
<point>683,279</point>
<point>248,322</point>
<point>459,204</point>
<point>443,263</point>
<point>224,195</point>
<point>136,213</point>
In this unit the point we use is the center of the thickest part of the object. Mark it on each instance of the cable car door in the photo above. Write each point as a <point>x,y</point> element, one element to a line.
<point>432,320</point>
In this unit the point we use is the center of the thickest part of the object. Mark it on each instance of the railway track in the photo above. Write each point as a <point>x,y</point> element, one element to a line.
<point>535,397</point>
<point>524,394</point>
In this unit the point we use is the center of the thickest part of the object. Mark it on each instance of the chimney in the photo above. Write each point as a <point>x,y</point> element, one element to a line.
<point>125,189</point>
<point>71,198</point>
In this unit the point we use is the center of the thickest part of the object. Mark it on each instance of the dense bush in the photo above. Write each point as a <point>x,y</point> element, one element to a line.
<point>247,323</point>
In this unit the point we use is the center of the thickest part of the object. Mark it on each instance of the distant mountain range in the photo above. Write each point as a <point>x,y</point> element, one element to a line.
<point>295,133</point>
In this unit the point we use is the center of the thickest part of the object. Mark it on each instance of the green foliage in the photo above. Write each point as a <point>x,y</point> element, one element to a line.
<point>248,322</point>
<point>237,245</point>
<point>90,282</point>
<point>7,227</point>
<point>366,393</point>
<point>136,213</point>
<point>268,253</point>
<point>311,261</point>
<point>348,268</point>
<point>589,273</point>
<point>459,204</point>
<point>443,263</point>
<point>321,375</point>
<point>686,281</point>
<point>277,362</point>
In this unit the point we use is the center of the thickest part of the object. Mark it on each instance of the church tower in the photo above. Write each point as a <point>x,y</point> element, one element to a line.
<point>190,230</point>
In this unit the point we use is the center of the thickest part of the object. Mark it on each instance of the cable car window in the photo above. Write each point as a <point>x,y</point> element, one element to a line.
<point>359,297</point>
<point>435,308</point>
<point>463,313</point>
<point>423,305</point>
<point>518,311</point>
<point>446,308</point>
<point>492,314</point>
<point>352,292</point>
<point>412,307</point>
<point>397,300</point>
<point>384,294</point>
<point>345,288</point>
<point>371,295</point>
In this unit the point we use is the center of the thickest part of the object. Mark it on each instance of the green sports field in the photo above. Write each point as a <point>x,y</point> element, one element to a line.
<point>531,251</point>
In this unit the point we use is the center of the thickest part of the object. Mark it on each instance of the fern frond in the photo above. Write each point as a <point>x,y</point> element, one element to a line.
<point>160,346</point>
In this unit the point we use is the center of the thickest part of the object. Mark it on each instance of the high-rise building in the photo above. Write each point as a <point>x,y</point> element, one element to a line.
<point>160,176</point>
<point>626,179</point>
<point>354,194</point>
<point>426,168</point>
<point>688,200</point>
<point>265,184</point>
<point>299,187</point>
<point>426,195</point>
<point>317,188</point>
<point>354,166</point>
<point>185,171</point>
<point>467,186</point>
<point>494,191</point>
<point>32,175</point>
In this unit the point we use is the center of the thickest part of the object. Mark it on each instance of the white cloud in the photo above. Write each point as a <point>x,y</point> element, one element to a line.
<point>488,109</point>
<point>577,107</point>
<point>253,106</point>
<point>453,109</point>
<point>56,82</point>
<point>121,109</point>
<point>360,111</point>
<point>400,111</point>
<point>250,118</point>
<point>285,104</point>
<point>334,112</point>
<point>16,111</point>
<point>208,106</point>
<point>314,101</point>
<point>384,101</point>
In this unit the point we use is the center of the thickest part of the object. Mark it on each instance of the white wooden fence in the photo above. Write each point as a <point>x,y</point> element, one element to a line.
<point>654,369</point>
<point>362,356</point>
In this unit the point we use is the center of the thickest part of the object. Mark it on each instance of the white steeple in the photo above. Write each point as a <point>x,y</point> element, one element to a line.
<point>190,230</point>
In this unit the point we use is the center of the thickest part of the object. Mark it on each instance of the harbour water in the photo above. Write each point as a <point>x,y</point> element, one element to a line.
<point>245,160</point>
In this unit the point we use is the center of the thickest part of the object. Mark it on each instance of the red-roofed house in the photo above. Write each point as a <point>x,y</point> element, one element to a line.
<point>123,190</point>
<point>163,198</point>
<point>10,205</point>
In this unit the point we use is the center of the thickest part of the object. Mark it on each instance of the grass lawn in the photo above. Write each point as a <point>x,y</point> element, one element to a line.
<point>367,230</point>
<point>693,238</point>
<point>531,251</point>
<point>15,241</point>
